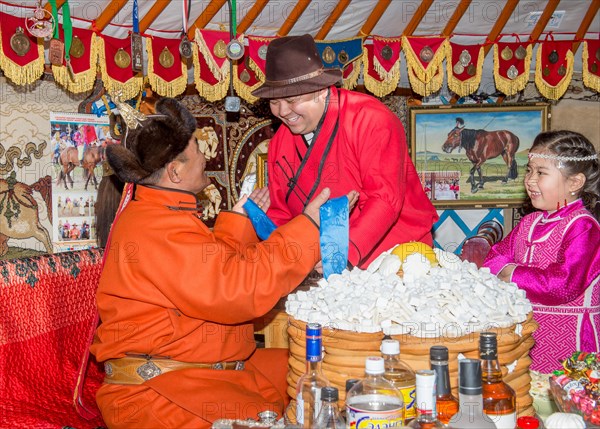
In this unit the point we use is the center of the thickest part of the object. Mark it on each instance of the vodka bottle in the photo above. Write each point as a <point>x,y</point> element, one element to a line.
<point>308,388</point>
<point>426,396</point>
<point>499,399</point>
<point>374,402</point>
<point>400,375</point>
<point>446,403</point>
<point>470,409</point>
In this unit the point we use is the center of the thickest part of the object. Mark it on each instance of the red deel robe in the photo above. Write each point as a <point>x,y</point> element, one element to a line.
<point>368,154</point>
<point>171,287</point>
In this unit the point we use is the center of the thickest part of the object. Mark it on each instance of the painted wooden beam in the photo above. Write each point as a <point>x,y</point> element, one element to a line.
<point>585,24</point>
<point>332,19</point>
<point>153,13</point>
<point>109,13</point>
<point>251,15</point>
<point>459,12</point>
<point>293,17</point>
<point>374,18</point>
<point>417,17</point>
<point>207,14</point>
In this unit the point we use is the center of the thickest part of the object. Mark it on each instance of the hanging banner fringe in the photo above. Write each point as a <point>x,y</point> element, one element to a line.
<point>20,74</point>
<point>425,89</point>
<point>210,91</point>
<point>462,88</point>
<point>558,90</point>
<point>512,86</point>
<point>129,89</point>
<point>590,79</point>
<point>221,72</point>
<point>430,71</point>
<point>84,80</point>
<point>351,74</point>
<point>242,89</point>
<point>382,87</point>
<point>162,87</point>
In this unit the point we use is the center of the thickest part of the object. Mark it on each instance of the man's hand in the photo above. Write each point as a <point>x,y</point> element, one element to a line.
<point>259,196</point>
<point>312,209</point>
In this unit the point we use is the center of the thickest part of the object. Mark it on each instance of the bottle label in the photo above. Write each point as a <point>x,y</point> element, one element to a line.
<point>409,395</point>
<point>374,411</point>
<point>303,408</point>
<point>504,421</point>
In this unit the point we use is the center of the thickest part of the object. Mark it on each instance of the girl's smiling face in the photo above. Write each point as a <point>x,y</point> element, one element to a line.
<point>546,185</point>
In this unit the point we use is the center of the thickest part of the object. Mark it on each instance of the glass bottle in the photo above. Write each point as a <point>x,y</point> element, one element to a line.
<point>329,417</point>
<point>528,422</point>
<point>374,402</point>
<point>446,403</point>
<point>470,401</point>
<point>400,375</point>
<point>425,403</point>
<point>499,399</point>
<point>308,388</point>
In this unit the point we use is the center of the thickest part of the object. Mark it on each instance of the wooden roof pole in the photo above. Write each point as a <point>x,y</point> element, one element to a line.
<point>543,21</point>
<point>59,4</point>
<point>585,24</point>
<point>293,17</point>
<point>109,13</point>
<point>251,16</point>
<point>332,19</point>
<point>374,18</point>
<point>500,23</point>
<point>207,14</point>
<point>456,17</point>
<point>417,17</point>
<point>155,10</point>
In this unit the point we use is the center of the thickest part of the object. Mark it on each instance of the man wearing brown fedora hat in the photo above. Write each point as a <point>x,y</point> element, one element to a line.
<point>176,300</point>
<point>343,140</point>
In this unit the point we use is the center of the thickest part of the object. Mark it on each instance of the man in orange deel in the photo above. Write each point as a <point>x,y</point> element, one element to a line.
<point>177,300</point>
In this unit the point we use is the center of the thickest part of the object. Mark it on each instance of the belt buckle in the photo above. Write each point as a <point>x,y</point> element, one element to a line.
<point>239,365</point>
<point>148,370</point>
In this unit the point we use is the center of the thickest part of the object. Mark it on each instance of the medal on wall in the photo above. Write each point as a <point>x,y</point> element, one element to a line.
<point>77,48</point>
<point>185,47</point>
<point>56,52</point>
<point>166,58</point>
<point>122,58</point>
<point>20,43</point>
<point>426,54</point>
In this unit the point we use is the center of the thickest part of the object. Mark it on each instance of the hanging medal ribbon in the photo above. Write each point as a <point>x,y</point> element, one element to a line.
<point>334,235</point>
<point>83,59</point>
<point>185,47</point>
<point>137,55</point>
<point>56,49</point>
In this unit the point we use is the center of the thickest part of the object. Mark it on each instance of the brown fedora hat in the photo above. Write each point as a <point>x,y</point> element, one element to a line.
<point>294,67</point>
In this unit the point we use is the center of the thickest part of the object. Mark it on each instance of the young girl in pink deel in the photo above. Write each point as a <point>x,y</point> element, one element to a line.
<point>553,254</point>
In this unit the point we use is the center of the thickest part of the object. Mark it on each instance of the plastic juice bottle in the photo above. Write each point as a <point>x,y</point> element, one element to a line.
<point>400,375</point>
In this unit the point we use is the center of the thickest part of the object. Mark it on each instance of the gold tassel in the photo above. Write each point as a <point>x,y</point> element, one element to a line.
<point>351,81</point>
<point>84,81</point>
<point>463,88</point>
<point>257,71</point>
<point>159,85</point>
<point>242,89</point>
<point>23,75</point>
<point>206,90</point>
<point>549,91</point>
<point>220,73</point>
<point>422,73</point>
<point>128,89</point>
<point>425,88</point>
<point>378,88</point>
<point>589,79</point>
<point>512,86</point>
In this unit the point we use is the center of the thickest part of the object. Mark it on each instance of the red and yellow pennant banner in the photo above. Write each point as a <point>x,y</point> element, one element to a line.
<point>464,66</point>
<point>591,64</point>
<point>21,55</point>
<point>512,62</point>
<point>246,79</point>
<point>167,72</point>
<point>381,63</point>
<point>115,67</point>
<point>350,74</point>
<point>424,57</point>
<point>257,54</point>
<point>554,68</point>
<point>84,58</point>
<point>211,66</point>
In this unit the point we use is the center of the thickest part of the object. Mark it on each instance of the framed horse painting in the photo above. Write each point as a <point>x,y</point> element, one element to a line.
<point>474,155</point>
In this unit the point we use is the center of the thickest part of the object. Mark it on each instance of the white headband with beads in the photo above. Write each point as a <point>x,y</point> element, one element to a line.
<point>562,158</point>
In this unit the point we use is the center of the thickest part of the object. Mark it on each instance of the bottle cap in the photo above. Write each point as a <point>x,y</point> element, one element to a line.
<point>527,422</point>
<point>488,345</point>
<point>350,383</point>
<point>313,330</point>
<point>425,389</point>
<point>374,365</point>
<point>314,352</point>
<point>438,353</point>
<point>469,377</point>
<point>329,394</point>
<point>390,347</point>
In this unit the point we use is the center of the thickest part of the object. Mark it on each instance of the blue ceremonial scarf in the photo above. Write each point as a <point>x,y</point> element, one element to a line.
<point>334,231</point>
<point>335,235</point>
<point>260,221</point>
<point>338,54</point>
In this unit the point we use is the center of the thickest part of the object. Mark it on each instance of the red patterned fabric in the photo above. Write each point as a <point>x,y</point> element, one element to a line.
<point>47,306</point>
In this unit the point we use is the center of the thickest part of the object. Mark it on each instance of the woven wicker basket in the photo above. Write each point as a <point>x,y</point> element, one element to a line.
<point>345,354</point>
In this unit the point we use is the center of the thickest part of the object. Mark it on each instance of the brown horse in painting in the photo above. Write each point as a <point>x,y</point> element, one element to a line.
<point>482,145</point>
<point>69,159</point>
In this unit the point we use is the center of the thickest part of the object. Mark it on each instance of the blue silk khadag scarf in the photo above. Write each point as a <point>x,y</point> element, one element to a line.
<point>334,231</point>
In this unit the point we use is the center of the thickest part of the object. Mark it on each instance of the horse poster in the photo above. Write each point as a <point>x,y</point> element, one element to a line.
<point>475,156</point>
<point>77,143</point>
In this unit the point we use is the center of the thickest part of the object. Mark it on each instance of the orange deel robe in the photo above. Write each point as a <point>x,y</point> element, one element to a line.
<point>171,287</point>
